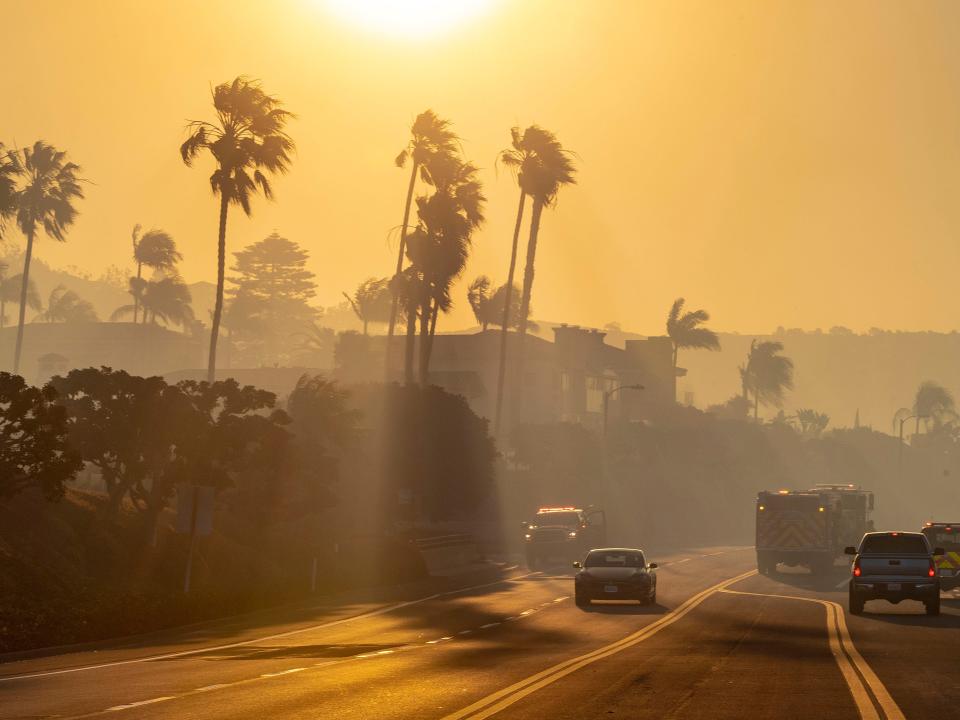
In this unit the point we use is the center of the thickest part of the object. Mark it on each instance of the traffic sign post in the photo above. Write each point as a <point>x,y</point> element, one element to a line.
<point>194,517</point>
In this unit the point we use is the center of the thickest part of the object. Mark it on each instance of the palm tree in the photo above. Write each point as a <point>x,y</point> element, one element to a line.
<point>9,170</point>
<point>478,295</point>
<point>167,300</point>
<point>155,249</point>
<point>45,199</point>
<point>67,307</point>
<point>439,247</point>
<point>686,331</point>
<point>933,404</point>
<point>248,142</point>
<point>811,422</point>
<point>10,292</point>
<point>550,169</point>
<point>766,374</point>
<point>371,301</point>
<point>430,138</point>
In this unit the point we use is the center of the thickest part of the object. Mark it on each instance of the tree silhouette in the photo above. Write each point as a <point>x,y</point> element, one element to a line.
<point>167,299</point>
<point>272,277</point>
<point>33,440</point>
<point>10,292</point>
<point>248,142</point>
<point>158,251</point>
<point>478,295</point>
<point>439,247</point>
<point>44,199</point>
<point>549,169</point>
<point>766,374</point>
<point>371,301</point>
<point>9,170</point>
<point>65,306</point>
<point>811,422</point>
<point>686,330</point>
<point>934,404</point>
<point>430,139</point>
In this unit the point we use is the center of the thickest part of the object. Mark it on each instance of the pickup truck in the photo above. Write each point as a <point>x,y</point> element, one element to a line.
<point>894,566</point>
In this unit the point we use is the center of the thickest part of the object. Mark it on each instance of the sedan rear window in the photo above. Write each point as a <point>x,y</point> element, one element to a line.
<point>615,559</point>
<point>895,545</point>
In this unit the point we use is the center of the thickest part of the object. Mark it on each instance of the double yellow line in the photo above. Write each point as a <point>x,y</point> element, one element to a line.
<point>494,703</point>
<point>869,694</point>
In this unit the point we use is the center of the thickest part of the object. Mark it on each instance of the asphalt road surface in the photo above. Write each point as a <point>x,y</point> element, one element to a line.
<point>722,642</point>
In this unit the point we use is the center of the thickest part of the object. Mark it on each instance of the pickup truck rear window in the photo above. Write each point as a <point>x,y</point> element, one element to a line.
<point>895,545</point>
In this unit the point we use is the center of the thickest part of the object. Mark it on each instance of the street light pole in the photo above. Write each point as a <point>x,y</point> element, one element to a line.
<point>606,400</point>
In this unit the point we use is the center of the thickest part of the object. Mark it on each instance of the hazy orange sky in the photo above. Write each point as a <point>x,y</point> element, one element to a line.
<point>778,163</point>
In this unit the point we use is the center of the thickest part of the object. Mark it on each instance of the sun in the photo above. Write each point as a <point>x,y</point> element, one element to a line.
<point>408,18</point>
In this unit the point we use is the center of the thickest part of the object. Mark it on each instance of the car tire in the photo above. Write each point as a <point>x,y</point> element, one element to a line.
<point>652,600</point>
<point>581,601</point>
<point>856,603</point>
<point>933,605</point>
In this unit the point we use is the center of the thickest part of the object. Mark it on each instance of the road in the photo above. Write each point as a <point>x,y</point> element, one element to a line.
<point>722,642</point>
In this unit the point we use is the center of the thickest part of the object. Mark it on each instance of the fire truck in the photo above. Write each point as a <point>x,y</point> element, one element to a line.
<point>811,527</point>
<point>947,536</point>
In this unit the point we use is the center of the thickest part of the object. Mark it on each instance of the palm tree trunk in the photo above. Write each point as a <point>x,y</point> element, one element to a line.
<point>218,306</point>
<point>25,283</point>
<point>426,310</point>
<point>411,340</point>
<point>507,299</point>
<point>525,303</point>
<point>136,298</point>
<point>395,304</point>
<point>434,313</point>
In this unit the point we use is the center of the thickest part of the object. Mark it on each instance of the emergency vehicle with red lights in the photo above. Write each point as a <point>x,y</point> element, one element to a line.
<point>947,536</point>
<point>563,534</point>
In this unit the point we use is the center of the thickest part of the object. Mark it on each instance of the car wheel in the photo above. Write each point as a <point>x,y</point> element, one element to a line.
<point>581,601</point>
<point>856,603</point>
<point>933,605</point>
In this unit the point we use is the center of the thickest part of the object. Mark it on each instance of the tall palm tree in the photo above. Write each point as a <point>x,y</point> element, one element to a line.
<point>430,137</point>
<point>45,199</point>
<point>439,247</point>
<point>248,142</point>
<point>550,169</point>
<point>155,249</point>
<point>10,292</point>
<point>371,301</point>
<point>766,374</point>
<point>478,295</point>
<point>686,330</point>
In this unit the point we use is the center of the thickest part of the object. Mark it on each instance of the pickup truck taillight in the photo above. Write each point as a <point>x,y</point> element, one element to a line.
<point>932,572</point>
<point>856,568</point>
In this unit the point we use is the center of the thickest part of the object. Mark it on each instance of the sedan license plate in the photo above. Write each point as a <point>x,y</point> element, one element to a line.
<point>894,587</point>
<point>610,588</point>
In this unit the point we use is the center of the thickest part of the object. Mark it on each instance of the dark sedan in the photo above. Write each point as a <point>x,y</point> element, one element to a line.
<point>615,574</point>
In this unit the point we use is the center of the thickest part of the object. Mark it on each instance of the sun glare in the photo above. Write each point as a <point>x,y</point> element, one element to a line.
<point>407,18</point>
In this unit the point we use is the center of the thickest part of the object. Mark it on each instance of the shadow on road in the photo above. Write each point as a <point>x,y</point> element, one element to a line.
<point>622,608</point>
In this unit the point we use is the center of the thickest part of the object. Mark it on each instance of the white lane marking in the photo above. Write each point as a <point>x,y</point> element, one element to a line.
<point>511,618</point>
<point>489,625</point>
<point>495,702</point>
<point>526,612</point>
<point>385,652</point>
<point>283,672</point>
<point>848,658</point>
<point>197,651</point>
<point>138,704</point>
<point>208,688</point>
<point>677,562</point>
<point>464,632</point>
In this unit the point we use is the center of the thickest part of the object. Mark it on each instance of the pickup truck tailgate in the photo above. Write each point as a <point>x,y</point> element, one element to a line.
<point>894,565</point>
